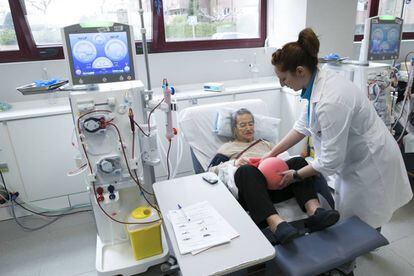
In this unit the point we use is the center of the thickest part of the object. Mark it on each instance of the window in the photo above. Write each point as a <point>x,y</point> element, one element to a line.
<point>8,40</point>
<point>45,16</point>
<point>370,8</point>
<point>211,20</point>
<point>33,27</point>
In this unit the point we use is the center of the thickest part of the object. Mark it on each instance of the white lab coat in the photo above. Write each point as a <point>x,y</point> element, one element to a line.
<point>351,141</point>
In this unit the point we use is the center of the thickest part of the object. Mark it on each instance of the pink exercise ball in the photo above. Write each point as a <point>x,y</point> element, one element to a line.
<point>271,168</point>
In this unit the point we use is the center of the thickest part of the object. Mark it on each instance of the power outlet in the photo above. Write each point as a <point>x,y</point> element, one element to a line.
<point>4,167</point>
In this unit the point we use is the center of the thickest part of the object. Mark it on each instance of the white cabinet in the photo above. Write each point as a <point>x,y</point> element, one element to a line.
<point>12,177</point>
<point>44,154</point>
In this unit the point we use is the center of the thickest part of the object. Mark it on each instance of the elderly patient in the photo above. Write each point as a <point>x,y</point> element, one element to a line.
<point>252,186</point>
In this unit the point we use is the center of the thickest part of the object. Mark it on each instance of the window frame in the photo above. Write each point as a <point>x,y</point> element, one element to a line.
<point>29,51</point>
<point>373,7</point>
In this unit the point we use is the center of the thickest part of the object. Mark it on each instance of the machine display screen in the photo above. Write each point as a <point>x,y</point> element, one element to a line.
<point>385,38</point>
<point>99,54</point>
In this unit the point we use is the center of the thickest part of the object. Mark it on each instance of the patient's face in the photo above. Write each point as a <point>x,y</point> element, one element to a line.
<point>244,128</point>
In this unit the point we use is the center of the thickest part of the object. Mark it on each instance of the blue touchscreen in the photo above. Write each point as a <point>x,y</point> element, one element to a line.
<point>385,39</point>
<point>100,53</point>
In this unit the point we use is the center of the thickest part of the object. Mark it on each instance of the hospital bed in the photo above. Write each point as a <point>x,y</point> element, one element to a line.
<point>313,254</point>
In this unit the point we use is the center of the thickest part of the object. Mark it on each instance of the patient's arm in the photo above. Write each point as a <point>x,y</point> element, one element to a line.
<point>216,169</point>
<point>291,139</point>
<point>241,161</point>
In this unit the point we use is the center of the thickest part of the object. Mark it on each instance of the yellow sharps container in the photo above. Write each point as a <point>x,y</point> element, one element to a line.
<point>145,238</point>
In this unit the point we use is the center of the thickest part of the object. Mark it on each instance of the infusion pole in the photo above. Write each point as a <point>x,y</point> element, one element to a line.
<point>148,170</point>
<point>144,45</point>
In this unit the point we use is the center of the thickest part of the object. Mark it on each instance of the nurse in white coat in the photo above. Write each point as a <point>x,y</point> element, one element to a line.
<point>350,140</point>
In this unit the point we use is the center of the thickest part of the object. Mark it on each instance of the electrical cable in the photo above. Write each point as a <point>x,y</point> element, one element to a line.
<point>406,96</point>
<point>77,170</point>
<point>96,196</point>
<point>34,212</point>
<point>148,120</point>
<point>129,169</point>
<point>5,199</point>
<point>149,115</point>
<point>26,228</point>
<point>49,215</point>
<point>126,159</point>
<point>125,156</point>
<point>4,183</point>
<point>44,210</point>
<point>402,133</point>
<point>114,219</point>
<point>42,215</point>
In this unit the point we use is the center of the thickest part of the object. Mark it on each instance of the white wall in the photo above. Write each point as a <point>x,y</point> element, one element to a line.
<point>289,18</point>
<point>179,68</point>
<point>334,22</point>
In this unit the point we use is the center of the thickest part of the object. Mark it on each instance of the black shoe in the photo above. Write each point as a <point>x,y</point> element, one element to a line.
<point>285,233</point>
<point>321,219</point>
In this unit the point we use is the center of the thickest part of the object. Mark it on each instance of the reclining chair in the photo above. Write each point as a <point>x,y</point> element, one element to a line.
<point>311,254</point>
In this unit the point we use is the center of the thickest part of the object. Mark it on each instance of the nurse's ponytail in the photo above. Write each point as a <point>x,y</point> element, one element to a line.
<point>303,52</point>
<point>309,42</point>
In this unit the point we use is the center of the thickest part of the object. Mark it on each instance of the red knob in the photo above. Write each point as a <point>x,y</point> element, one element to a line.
<point>100,198</point>
<point>100,190</point>
<point>175,131</point>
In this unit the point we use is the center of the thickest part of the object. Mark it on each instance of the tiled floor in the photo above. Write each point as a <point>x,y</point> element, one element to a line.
<point>67,247</point>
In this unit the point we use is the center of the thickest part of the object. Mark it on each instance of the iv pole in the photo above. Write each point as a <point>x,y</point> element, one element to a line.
<point>148,170</point>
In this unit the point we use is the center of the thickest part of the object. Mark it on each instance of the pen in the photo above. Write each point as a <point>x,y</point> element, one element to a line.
<point>184,214</point>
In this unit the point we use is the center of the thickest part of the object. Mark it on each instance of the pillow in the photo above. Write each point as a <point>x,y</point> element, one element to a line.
<point>265,127</point>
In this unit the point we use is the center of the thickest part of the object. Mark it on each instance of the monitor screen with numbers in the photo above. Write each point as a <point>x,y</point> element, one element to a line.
<point>99,54</point>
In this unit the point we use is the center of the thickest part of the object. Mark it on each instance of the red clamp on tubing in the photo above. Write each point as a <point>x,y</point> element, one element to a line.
<point>175,131</point>
<point>100,198</point>
<point>102,123</point>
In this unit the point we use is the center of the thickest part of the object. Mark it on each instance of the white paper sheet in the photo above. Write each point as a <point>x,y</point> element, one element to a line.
<point>205,228</point>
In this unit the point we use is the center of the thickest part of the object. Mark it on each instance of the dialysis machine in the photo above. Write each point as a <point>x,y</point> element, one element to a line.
<point>118,146</point>
<point>382,38</point>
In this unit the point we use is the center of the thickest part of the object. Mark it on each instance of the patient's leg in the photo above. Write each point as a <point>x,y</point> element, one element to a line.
<point>303,191</point>
<point>254,197</point>
<point>307,199</point>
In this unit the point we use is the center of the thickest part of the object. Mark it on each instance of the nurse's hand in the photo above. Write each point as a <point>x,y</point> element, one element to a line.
<point>287,179</point>
<point>241,161</point>
<point>267,155</point>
